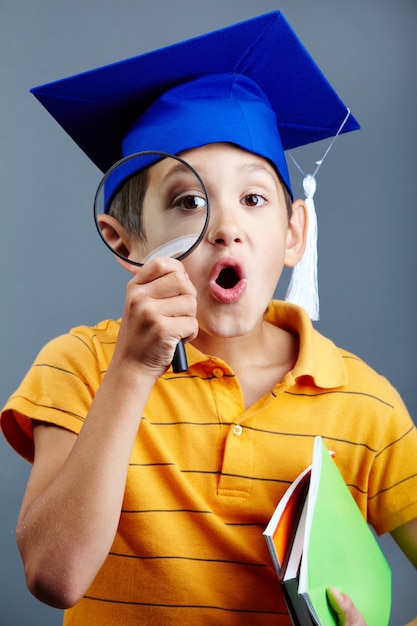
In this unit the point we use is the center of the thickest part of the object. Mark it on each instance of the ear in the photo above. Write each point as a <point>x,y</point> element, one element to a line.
<point>297,233</point>
<point>117,238</point>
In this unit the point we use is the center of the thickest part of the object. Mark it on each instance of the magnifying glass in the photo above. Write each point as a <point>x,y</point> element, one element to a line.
<point>152,204</point>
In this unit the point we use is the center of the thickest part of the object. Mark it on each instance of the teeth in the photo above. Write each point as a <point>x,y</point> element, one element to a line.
<point>227,278</point>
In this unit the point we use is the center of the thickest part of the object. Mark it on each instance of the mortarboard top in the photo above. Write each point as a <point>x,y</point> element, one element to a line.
<point>263,55</point>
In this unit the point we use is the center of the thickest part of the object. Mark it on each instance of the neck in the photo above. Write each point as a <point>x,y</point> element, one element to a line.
<point>267,345</point>
<point>271,353</point>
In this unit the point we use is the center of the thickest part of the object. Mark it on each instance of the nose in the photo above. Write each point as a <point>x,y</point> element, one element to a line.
<point>224,227</point>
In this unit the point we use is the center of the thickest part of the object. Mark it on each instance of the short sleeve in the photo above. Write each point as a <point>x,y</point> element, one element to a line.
<point>58,388</point>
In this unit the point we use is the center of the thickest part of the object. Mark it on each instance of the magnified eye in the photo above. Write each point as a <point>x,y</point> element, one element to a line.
<point>190,202</point>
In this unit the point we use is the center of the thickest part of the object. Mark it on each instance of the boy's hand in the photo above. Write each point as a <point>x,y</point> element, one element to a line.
<point>160,309</point>
<point>347,613</point>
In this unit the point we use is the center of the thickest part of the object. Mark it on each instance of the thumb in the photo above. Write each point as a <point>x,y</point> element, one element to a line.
<point>347,613</point>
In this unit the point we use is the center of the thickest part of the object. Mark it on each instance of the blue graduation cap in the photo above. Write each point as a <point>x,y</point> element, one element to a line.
<point>252,84</point>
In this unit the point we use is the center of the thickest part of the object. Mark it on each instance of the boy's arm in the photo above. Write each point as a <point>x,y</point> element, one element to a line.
<point>71,508</point>
<point>73,499</point>
<point>406,538</point>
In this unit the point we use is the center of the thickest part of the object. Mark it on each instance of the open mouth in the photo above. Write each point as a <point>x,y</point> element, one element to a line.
<point>227,281</point>
<point>228,278</point>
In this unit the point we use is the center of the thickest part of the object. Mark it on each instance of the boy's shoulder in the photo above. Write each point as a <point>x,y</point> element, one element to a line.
<point>363,380</point>
<point>320,357</point>
<point>103,330</point>
<point>102,333</point>
<point>82,346</point>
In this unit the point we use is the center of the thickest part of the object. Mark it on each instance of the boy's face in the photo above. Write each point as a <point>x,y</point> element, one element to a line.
<point>249,239</point>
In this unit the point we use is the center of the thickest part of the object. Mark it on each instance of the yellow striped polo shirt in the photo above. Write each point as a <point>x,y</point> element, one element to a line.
<point>205,474</point>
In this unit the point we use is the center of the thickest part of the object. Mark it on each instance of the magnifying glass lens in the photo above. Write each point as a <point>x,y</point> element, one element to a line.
<point>152,204</point>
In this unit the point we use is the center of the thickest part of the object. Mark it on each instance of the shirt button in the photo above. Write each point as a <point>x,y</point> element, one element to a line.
<point>237,430</point>
<point>218,372</point>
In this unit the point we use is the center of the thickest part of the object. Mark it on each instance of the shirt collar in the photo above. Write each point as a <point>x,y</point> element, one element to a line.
<point>318,357</point>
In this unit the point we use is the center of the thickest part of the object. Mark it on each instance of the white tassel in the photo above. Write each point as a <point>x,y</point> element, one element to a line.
<point>303,287</point>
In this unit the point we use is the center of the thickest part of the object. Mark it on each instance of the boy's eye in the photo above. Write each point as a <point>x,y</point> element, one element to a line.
<point>190,202</point>
<point>253,199</point>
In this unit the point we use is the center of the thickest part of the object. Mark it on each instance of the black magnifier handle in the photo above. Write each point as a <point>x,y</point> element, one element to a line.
<point>179,360</point>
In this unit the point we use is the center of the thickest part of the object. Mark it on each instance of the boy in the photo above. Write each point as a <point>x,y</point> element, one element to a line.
<point>150,490</point>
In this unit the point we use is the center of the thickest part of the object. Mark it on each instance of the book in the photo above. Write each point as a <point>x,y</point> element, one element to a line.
<point>318,538</point>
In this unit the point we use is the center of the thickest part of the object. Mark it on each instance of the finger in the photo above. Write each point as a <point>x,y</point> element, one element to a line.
<point>156,269</point>
<point>161,321</point>
<point>167,299</point>
<point>163,282</point>
<point>150,337</point>
<point>347,613</point>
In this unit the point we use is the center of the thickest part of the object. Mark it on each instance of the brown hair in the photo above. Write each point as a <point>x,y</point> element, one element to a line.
<point>127,204</point>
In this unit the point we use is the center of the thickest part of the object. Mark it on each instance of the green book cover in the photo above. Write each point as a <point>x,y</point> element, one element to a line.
<point>338,550</point>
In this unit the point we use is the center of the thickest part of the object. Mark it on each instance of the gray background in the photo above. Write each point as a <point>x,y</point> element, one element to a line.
<point>55,273</point>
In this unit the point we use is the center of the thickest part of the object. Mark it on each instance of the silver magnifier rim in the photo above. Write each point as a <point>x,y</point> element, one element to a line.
<point>163,155</point>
